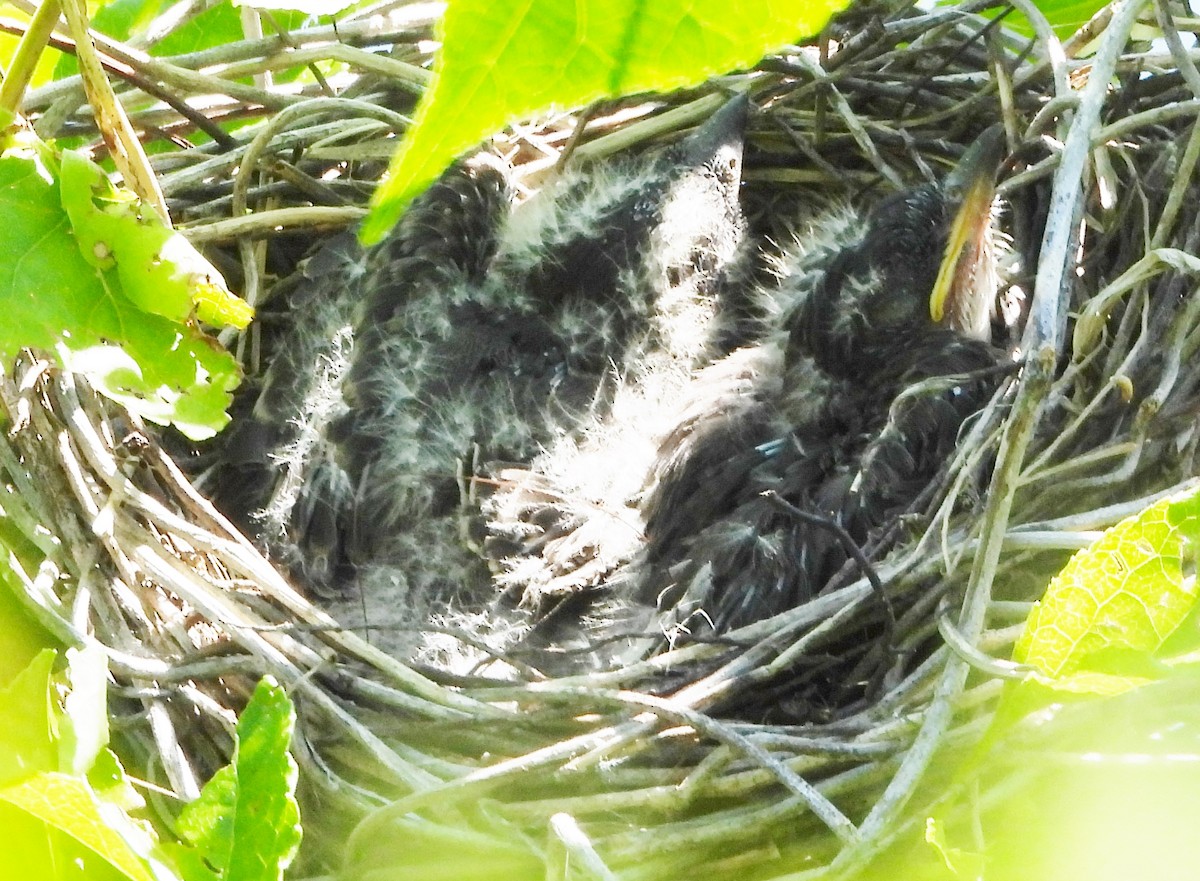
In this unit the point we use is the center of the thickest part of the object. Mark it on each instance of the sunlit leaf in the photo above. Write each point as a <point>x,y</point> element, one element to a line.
<point>68,805</point>
<point>120,20</point>
<point>111,784</point>
<point>960,863</point>
<point>501,62</point>
<point>1124,595</point>
<point>1064,16</point>
<point>246,823</point>
<point>54,297</point>
<point>26,739</point>
<point>21,637</point>
<point>159,270</point>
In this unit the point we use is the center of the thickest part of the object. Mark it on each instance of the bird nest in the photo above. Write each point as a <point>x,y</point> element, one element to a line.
<point>417,768</point>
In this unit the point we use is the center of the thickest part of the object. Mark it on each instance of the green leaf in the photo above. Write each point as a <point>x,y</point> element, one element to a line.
<point>191,864</point>
<point>85,717</point>
<point>27,743</point>
<point>1124,595</point>
<point>21,637</point>
<point>34,851</point>
<point>158,268</point>
<point>120,20</point>
<point>1099,632</point>
<point>1065,16</point>
<point>208,822</point>
<point>500,62</point>
<point>219,25</point>
<point>54,298</point>
<point>110,783</point>
<point>246,824</point>
<point>67,804</point>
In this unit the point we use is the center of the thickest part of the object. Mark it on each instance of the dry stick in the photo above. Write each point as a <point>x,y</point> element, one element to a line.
<point>1055,56</point>
<point>1087,333</point>
<point>202,168</point>
<point>122,141</point>
<point>731,829</point>
<point>1083,37</point>
<point>251,51</point>
<point>412,78</point>
<point>241,557</point>
<point>838,823</point>
<point>996,668</point>
<point>245,629</point>
<point>190,81</point>
<point>827,612</point>
<point>1183,179</point>
<point>1102,518</point>
<point>1043,338</point>
<point>480,782</point>
<point>854,124</point>
<point>266,223</point>
<point>163,730</point>
<point>249,167</point>
<point>726,824</point>
<point>154,560</point>
<point>575,849</point>
<point>1185,322</point>
<point>1127,125</point>
<point>668,795</point>
<point>662,123</point>
<point>849,545</point>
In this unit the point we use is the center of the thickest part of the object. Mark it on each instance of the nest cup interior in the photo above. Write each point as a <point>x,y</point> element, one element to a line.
<point>770,743</point>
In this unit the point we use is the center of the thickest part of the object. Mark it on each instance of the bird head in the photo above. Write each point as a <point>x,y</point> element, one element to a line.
<point>924,262</point>
<point>929,249</point>
<point>673,213</point>
<point>965,288</point>
<point>699,220</point>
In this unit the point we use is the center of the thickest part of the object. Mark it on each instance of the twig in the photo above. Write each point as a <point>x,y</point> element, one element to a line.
<point>849,545</point>
<point>123,144</point>
<point>265,223</point>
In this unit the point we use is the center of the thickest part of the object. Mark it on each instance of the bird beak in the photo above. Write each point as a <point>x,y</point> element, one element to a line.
<point>970,189</point>
<point>722,132</point>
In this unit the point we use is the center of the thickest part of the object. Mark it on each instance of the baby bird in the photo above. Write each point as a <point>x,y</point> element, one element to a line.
<point>474,333</point>
<point>846,406</point>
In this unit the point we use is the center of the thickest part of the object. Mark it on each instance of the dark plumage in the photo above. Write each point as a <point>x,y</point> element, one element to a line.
<point>474,333</point>
<point>845,407</point>
<point>589,338</point>
<point>834,411</point>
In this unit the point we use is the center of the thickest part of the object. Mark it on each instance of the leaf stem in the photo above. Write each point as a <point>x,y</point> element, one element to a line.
<point>29,50</point>
<point>111,119</point>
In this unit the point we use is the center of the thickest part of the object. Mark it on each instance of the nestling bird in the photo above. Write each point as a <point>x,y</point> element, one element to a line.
<point>826,416</point>
<point>845,406</point>
<point>475,333</point>
<point>596,338</point>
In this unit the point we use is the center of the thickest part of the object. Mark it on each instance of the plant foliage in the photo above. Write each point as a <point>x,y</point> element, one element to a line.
<point>95,276</point>
<point>499,63</point>
<point>1117,603</point>
<point>65,789</point>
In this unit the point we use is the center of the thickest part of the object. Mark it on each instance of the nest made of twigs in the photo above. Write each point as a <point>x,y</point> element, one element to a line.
<point>1100,421</point>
